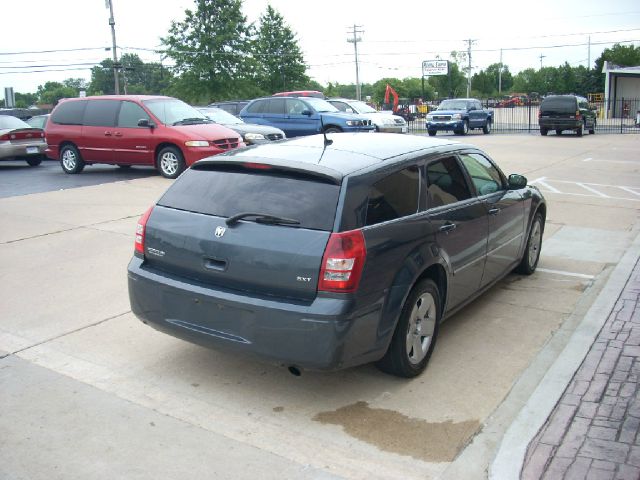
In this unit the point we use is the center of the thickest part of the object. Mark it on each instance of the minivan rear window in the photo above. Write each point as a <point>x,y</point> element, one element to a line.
<point>559,104</point>
<point>225,193</point>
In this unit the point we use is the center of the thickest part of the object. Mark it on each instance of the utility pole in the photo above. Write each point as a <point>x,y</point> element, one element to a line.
<point>469,43</point>
<point>589,54</point>
<point>541,57</point>
<point>355,39</point>
<point>500,75</point>
<point>112,22</point>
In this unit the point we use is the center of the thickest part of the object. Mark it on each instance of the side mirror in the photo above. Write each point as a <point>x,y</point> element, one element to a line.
<point>516,182</point>
<point>306,112</point>
<point>145,122</point>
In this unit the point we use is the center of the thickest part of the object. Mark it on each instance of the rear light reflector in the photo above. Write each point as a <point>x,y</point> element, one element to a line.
<point>141,229</point>
<point>342,262</point>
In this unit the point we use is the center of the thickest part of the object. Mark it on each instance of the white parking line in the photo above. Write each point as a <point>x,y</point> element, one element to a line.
<point>541,181</point>
<point>566,274</point>
<point>545,184</point>
<point>592,190</point>
<point>627,189</point>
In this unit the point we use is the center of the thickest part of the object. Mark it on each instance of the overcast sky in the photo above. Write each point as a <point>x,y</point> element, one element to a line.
<point>396,38</point>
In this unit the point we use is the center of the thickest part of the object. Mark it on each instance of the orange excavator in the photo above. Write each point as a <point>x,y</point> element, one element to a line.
<point>390,91</point>
<point>403,110</point>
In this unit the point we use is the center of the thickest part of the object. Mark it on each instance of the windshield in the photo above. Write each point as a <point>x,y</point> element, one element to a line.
<point>361,107</point>
<point>453,105</point>
<point>172,111</point>
<point>7,121</point>
<point>320,105</point>
<point>220,116</point>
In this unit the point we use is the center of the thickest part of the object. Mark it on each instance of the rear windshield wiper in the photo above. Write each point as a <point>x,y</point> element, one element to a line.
<point>261,218</point>
<point>192,120</point>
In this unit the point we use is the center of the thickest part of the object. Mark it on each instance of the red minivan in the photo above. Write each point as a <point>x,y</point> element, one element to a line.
<point>127,130</point>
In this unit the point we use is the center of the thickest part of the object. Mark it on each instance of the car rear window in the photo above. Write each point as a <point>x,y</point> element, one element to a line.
<point>559,104</point>
<point>227,191</point>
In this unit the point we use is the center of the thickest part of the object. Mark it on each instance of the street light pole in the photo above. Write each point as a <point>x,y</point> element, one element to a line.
<point>355,41</point>
<point>112,22</point>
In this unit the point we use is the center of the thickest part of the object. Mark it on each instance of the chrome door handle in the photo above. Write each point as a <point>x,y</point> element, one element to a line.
<point>494,211</point>
<point>447,227</point>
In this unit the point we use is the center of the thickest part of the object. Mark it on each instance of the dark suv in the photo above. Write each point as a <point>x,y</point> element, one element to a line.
<point>324,254</point>
<point>566,112</point>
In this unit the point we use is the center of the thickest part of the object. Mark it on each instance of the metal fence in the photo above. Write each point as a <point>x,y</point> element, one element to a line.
<point>612,116</point>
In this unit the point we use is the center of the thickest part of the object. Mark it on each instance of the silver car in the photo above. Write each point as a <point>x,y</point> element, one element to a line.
<point>20,141</point>
<point>384,121</point>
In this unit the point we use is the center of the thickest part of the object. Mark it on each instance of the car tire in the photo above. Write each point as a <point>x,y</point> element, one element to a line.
<point>432,133</point>
<point>415,335</point>
<point>592,130</point>
<point>332,130</point>
<point>465,128</point>
<point>70,160</point>
<point>543,132</point>
<point>487,128</point>
<point>170,162</point>
<point>531,254</point>
<point>34,162</point>
<point>580,130</point>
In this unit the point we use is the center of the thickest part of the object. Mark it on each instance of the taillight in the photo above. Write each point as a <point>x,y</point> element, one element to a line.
<point>4,137</point>
<point>141,229</point>
<point>342,262</point>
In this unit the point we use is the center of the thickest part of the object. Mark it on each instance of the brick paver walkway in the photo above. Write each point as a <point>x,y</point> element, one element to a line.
<point>593,433</point>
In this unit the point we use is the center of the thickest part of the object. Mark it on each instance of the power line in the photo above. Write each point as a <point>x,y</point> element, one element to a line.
<point>56,51</point>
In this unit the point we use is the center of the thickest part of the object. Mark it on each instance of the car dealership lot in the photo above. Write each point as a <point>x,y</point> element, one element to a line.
<point>98,394</point>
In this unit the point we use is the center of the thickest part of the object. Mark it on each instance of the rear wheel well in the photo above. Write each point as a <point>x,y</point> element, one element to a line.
<point>438,274</point>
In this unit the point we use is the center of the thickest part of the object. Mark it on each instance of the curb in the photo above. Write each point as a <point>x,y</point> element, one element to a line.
<point>510,456</point>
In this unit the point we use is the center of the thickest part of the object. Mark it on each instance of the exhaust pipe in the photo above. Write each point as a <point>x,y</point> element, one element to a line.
<point>295,371</point>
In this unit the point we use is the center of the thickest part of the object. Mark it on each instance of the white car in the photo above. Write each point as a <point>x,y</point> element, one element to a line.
<point>383,121</point>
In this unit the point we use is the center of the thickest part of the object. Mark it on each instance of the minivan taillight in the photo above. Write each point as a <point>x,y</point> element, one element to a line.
<point>141,229</point>
<point>342,262</point>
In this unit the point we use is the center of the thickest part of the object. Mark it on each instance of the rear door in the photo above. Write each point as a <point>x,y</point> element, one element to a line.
<point>187,234</point>
<point>298,124</point>
<point>461,225</point>
<point>98,141</point>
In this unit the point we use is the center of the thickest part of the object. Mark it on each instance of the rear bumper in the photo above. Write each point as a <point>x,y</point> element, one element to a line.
<point>16,150</point>
<point>327,334</point>
<point>560,123</point>
<point>392,128</point>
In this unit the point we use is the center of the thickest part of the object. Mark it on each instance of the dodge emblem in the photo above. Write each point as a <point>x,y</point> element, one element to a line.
<point>220,231</point>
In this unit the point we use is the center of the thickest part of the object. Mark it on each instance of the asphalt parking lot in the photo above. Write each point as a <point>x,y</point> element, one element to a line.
<point>90,392</point>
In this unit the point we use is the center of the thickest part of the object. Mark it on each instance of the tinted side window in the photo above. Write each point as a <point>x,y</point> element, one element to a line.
<point>445,183</point>
<point>101,113</point>
<point>69,113</point>
<point>255,107</point>
<point>394,196</point>
<point>130,114</point>
<point>340,106</point>
<point>484,175</point>
<point>275,106</point>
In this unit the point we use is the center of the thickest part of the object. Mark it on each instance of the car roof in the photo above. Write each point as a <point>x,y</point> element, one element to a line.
<point>122,97</point>
<point>348,152</point>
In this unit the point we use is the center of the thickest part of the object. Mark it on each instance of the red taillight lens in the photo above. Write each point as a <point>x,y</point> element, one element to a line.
<point>141,229</point>
<point>4,137</point>
<point>342,262</point>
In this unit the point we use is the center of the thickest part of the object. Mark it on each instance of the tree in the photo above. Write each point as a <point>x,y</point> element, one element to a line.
<point>621,55</point>
<point>279,61</point>
<point>25,100</point>
<point>137,76</point>
<point>452,85</point>
<point>209,49</point>
<point>51,92</point>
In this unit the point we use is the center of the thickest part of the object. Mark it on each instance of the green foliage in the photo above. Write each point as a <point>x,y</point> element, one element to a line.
<point>51,92</point>
<point>209,48</point>
<point>621,55</point>
<point>279,64</point>
<point>452,85</point>
<point>25,100</point>
<point>485,82</point>
<point>136,77</point>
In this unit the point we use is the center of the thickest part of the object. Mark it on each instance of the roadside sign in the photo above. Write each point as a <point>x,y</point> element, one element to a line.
<point>435,67</point>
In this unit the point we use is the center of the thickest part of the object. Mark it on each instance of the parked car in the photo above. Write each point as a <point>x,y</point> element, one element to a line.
<point>21,141</point>
<point>300,93</point>
<point>328,254</point>
<point>231,106</point>
<point>298,116</point>
<point>133,130</point>
<point>566,112</point>
<point>459,115</point>
<point>251,133</point>
<point>383,121</point>
<point>39,121</point>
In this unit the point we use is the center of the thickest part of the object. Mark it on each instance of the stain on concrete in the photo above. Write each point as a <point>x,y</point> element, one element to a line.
<point>394,432</point>
<point>278,409</point>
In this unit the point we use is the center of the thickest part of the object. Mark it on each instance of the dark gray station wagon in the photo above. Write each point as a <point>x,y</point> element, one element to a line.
<point>325,254</point>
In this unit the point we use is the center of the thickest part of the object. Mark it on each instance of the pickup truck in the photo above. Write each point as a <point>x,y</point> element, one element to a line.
<point>459,115</point>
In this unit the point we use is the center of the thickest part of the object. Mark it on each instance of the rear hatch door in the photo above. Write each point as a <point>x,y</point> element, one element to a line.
<point>188,235</point>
